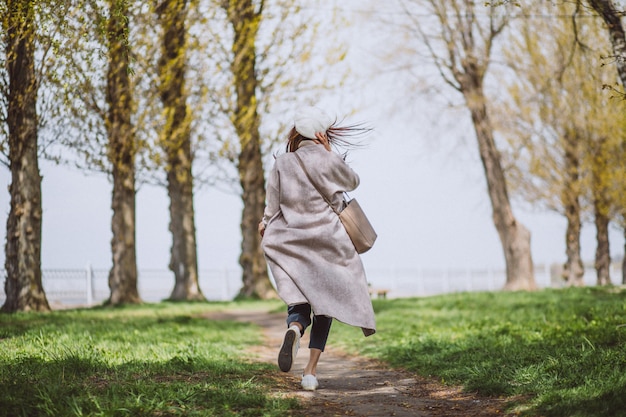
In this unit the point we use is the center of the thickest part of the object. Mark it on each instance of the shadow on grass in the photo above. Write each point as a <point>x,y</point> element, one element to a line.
<point>610,403</point>
<point>181,386</point>
<point>501,372</point>
<point>132,362</point>
<point>559,352</point>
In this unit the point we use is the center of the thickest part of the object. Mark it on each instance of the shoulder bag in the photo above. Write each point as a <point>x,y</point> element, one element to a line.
<point>352,217</point>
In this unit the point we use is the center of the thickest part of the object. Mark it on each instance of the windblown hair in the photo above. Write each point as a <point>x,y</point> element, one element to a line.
<point>338,136</point>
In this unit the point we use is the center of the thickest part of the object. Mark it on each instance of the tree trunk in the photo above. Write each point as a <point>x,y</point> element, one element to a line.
<point>176,142</point>
<point>245,22</point>
<point>601,206</point>
<point>23,287</point>
<point>573,269</point>
<point>603,255</point>
<point>121,154</point>
<point>515,238</point>
<point>183,260</point>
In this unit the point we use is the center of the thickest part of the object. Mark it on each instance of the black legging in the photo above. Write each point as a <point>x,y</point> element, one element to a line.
<point>301,313</point>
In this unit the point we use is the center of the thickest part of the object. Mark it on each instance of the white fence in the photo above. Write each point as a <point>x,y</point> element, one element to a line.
<point>409,282</point>
<point>90,286</point>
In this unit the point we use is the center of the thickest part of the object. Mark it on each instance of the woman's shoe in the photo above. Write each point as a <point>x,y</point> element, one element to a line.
<point>289,349</point>
<point>309,382</point>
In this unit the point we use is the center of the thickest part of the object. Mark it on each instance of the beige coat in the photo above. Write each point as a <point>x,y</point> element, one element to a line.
<point>307,248</point>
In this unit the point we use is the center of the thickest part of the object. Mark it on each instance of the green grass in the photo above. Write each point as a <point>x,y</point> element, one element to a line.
<point>555,352</point>
<point>152,360</point>
<point>558,352</point>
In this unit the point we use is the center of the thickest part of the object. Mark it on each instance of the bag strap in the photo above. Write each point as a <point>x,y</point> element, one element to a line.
<point>314,185</point>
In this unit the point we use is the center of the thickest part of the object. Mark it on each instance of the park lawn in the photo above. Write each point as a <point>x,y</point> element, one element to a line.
<point>161,359</point>
<point>555,352</point>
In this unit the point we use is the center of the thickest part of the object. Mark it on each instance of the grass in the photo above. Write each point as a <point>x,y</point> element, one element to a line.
<point>555,352</point>
<point>151,360</point>
<point>558,352</point>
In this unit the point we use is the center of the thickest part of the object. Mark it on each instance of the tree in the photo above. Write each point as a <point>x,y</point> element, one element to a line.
<point>601,207</point>
<point>92,123</point>
<point>238,55</point>
<point>612,18</point>
<point>245,18</point>
<point>121,152</point>
<point>209,103</point>
<point>460,45</point>
<point>561,125</point>
<point>23,286</point>
<point>573,269</point>
<point>542,126</point>
<point>176,143</point>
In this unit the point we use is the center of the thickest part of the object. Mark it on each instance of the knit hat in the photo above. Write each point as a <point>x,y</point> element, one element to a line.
<point>310,120</point>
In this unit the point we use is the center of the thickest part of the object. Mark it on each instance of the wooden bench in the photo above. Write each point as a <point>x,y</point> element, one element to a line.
<point>378,292</point>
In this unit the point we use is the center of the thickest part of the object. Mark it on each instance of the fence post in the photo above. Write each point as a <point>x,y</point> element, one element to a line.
<point>89,285</point>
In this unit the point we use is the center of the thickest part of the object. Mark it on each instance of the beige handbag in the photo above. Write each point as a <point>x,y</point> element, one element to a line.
<point>352,217</point>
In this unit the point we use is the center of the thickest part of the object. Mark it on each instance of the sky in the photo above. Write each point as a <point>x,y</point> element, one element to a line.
<point>422,186</point>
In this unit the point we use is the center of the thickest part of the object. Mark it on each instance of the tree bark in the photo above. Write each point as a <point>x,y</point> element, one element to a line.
<point>176,142</point>
<point>573,269</point>
<point>462,53</point>
<point>23,286</point>
<point>515,238</point>
<point>603,255</point>
<point>245,22</point>
<point>121,154</point>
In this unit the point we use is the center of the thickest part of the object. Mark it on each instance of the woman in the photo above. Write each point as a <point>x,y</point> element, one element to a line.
<point>312,259</point>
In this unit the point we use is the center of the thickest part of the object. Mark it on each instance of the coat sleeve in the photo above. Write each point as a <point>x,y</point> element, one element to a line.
<point>272,195</point>
<point>343,175</point>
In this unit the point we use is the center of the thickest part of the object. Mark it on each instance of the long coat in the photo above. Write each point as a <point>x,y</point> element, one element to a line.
<point>307,248</point>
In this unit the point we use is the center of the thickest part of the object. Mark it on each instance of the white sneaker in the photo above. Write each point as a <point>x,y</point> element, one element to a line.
<point>309,382</point>
<point>289,349</point>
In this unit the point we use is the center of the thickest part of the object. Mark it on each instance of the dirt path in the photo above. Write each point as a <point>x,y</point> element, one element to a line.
<point>354,386</point>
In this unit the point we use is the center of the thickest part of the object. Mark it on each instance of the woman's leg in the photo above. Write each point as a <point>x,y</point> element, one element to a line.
<point>299,315</point>
<point>317,343</point>
<point>298,319</point>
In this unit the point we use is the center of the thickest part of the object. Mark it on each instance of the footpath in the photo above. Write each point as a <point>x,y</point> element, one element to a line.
<point>356,386</point>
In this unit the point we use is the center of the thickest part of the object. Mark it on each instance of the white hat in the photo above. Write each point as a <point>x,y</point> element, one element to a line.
<point>310,120</point>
